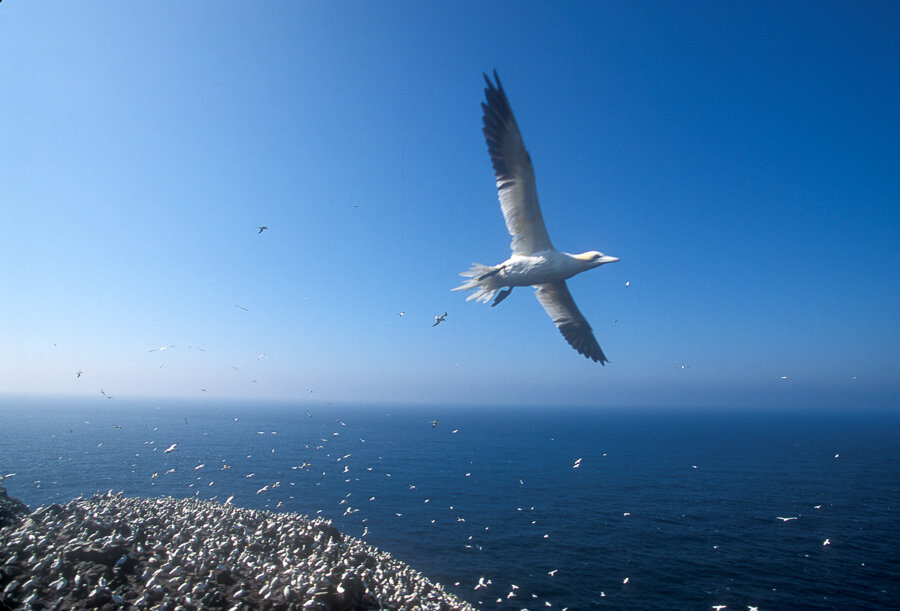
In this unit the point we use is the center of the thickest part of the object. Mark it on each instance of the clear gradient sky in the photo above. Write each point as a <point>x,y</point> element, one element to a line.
<point>741,158</point>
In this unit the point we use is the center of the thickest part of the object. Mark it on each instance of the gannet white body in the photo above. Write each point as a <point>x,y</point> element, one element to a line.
<point>534,261</point>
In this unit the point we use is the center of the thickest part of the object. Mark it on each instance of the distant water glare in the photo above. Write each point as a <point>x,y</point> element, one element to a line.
<point>577,508</point>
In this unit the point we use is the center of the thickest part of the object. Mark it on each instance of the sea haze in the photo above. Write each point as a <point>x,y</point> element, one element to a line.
<point>684,504</point>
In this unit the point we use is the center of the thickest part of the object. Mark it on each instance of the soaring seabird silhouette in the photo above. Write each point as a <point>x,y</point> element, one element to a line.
<point>534,261</point>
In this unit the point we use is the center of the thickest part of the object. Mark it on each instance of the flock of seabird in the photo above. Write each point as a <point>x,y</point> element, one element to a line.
<point>170,589</point>
<point>350,473</point>
<point>112,551</point>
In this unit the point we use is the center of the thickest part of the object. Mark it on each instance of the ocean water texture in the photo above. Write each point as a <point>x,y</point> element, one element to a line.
<point>580,509</point>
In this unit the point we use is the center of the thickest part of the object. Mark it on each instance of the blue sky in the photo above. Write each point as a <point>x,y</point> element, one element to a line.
<point>740,158</point>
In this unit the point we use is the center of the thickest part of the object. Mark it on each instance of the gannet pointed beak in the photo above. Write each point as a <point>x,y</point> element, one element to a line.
<point>608,259</point>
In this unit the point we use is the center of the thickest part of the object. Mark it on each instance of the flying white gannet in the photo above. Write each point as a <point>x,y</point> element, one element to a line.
<point>534,261</point>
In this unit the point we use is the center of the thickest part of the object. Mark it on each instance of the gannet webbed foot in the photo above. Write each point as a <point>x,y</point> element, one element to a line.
<point>501,296</point>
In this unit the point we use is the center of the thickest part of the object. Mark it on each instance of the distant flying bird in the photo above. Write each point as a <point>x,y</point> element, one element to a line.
<point>78,373</point>
<point>434,423</point>
<point>105,395</point>
<point>534,261</point>
<point>241,307</point>
<point>439,319</point>
<point>172,448</point>
<point>262,228</point>
<point>785,519</point>
<point>161,348</point>
<point>401,314</point>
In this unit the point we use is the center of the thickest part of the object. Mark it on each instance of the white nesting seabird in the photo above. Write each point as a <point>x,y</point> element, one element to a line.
<point>534,261</point>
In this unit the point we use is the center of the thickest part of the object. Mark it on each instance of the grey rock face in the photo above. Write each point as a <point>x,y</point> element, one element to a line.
<point>11,510</point>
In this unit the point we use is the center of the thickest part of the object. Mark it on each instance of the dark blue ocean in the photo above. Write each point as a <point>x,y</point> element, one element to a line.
<point>684,504</point>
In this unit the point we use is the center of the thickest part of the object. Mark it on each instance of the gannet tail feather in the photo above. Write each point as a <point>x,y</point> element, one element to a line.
<point>484,279</point>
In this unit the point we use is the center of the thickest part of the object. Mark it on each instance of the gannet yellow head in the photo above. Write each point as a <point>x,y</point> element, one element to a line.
<point>595,258</point>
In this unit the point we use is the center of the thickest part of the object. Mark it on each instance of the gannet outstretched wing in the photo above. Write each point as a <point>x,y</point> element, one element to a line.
<point>515,174</point>
<point>534,261</point>
<point>558,302</point>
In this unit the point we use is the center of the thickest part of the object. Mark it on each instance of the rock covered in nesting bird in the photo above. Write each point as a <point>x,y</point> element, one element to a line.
<point>113,551</point>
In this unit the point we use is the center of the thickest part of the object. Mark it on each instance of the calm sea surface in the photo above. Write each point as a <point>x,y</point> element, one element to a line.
<point>683,504</point>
